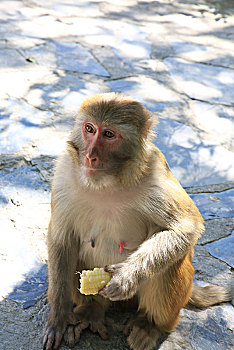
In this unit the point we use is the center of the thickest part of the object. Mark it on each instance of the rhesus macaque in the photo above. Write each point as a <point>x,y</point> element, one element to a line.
<point>115,203</point>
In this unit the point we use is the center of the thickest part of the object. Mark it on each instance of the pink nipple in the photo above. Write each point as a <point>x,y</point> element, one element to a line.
<point>122,244</point>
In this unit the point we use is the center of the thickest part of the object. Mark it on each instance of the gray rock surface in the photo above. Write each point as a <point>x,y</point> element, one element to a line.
<point>223,249</point>
<point>174,57</point>
<point>201,81</point>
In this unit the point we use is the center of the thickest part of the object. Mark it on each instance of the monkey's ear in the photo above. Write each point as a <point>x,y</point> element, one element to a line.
<point>73,150</point>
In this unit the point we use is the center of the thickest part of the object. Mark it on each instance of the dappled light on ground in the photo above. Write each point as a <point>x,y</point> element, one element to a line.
<point>177,58</point>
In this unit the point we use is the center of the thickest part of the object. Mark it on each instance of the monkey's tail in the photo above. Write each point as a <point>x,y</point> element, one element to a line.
<point>210,295</point>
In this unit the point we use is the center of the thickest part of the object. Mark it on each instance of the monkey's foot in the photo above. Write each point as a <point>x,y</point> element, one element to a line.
<point>142,334</point>
<point>90,315</point>
<point>55,329</point>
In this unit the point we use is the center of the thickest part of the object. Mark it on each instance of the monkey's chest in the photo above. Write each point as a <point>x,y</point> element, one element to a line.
<point>112,239</point>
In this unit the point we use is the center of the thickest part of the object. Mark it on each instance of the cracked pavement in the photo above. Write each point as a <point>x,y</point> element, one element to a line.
<point>177,58</point>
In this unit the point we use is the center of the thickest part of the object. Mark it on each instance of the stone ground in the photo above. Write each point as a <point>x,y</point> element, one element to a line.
<point>177,58</point>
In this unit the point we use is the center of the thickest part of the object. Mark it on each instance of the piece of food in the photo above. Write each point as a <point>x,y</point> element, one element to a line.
<point>91,281</point>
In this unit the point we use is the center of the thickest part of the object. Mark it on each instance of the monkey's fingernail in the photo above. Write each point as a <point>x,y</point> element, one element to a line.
<point>102,292</point>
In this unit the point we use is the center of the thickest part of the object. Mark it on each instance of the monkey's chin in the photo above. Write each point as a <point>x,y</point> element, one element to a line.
<point>96,180</point>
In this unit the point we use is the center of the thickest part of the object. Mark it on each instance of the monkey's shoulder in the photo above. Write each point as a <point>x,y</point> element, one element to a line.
<point>166,191</point>
<point>158,161</point>
<point>160,171</point>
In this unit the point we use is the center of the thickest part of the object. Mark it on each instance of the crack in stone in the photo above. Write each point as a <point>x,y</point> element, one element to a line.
<point>122,78</point>
<point>211,103</point>
<point>205,101</point>
<point>220,260</point>
<point>214,240</point>
<point>199,62</point>
<point>210,188</point>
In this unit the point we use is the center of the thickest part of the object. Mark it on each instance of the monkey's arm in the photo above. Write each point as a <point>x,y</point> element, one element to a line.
<point>183,225</point>
<point>153,256</point>
<point>61,266</point>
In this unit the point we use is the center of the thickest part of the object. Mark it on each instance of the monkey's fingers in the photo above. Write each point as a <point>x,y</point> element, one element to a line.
<point>113,268</point>
<point>104,292</point>
<point>113,291</point>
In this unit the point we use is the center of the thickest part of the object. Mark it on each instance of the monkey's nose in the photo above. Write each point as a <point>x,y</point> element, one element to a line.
<point>92,160</point>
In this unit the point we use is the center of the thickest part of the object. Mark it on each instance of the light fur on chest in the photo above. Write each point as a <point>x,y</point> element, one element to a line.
<point>103,224</point>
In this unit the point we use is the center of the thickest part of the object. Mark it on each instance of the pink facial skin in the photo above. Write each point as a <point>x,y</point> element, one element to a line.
<point>99,141</point>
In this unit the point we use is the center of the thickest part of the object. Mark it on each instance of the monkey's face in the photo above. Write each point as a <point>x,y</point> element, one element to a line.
<point>101,144</point>
<point>110,137</point>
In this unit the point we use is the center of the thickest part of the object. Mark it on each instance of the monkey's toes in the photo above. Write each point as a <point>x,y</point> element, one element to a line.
<point>100,328</point>
<point>69,337</point>
<point>128,328</point>
<point>52,337</point>
<point>72,334</point>
<point>142,335</point>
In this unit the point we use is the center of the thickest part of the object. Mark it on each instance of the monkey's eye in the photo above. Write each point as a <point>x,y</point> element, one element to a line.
<point>89,129</point>
<point>109,134</point>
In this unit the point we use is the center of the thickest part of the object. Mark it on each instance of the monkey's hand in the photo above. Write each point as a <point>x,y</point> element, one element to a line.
<point>123,284</point>
<point>54,331</point>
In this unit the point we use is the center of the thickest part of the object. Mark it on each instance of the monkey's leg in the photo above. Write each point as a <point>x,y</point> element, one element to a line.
<point>61,267</point>
<point>90,313</point>
<point>160,301</point>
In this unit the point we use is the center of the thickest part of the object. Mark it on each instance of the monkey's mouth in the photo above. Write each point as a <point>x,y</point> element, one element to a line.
<point>94,171</point>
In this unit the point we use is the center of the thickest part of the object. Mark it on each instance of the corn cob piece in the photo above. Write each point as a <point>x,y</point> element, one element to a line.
<point>91,281</point>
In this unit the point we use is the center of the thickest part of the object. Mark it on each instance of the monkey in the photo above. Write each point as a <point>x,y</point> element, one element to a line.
<point>116,203</point>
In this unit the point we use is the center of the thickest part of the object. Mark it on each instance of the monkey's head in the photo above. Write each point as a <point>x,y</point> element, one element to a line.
<point>111,135</point>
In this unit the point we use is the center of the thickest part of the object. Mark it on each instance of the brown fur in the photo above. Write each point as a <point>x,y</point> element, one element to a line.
<point>171,292</point>
<point>136,200</point>
<point>210,295</point>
